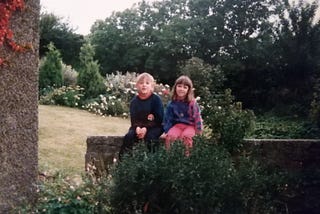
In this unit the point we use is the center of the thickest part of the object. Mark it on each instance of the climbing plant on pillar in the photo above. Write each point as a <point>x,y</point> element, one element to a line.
<point>7,8</point>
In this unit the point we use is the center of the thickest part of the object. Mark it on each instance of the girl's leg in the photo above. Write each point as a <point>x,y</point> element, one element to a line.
<point>173,135</point>
<point>187,134</point>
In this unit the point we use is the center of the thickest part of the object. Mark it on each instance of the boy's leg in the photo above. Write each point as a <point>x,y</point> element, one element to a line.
<point>128,142</point>
<point>152,138</point>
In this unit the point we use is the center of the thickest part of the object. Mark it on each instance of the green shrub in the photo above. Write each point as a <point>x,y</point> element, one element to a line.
<point>207,181</point>
<point>50,71</point>
<point>89,76</point>
<point>107,105</point>
<point>60,194</point>
<point>275,127</point>
<point>199,71</point>
<point>123,86</point>
<point>120,89</point>
<point>315,104</point>
<point>228,122</point>
<point>69,75</point>
<point>70,96</point>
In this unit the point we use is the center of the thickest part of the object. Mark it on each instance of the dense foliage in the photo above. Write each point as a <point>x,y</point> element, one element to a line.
<point>89,76</point>
<point>228,121</point>
<point>53,29</point>
<point>269,58</point>
<point>59,193</point>
<point>268,51</point>
<point>50,72</point>
<point>270,126</point>
<point>208,181</point>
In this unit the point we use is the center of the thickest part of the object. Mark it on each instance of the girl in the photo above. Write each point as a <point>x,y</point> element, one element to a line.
<point>146,114</point>
<point>182,119</point>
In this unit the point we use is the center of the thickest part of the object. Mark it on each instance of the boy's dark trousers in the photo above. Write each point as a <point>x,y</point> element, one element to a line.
<point>130,139</point>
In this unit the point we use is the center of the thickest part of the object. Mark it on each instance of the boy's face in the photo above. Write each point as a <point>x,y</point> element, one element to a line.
<point>144,86</point>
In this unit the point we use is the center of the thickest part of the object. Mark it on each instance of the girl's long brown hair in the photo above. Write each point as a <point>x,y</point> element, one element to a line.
<point>185,80</point>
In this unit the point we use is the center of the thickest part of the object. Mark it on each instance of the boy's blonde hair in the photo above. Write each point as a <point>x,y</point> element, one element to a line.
<point>145,76</point>
<point>185,80</point>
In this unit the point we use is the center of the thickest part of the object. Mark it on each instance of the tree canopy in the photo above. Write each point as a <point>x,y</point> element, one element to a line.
<point>267,50</point>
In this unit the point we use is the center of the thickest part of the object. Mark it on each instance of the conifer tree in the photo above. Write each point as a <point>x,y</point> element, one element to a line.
<point>50,72</point>
<point>89,77</point>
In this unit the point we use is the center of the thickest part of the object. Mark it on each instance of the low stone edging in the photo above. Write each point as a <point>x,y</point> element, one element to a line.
<point>291,154</point>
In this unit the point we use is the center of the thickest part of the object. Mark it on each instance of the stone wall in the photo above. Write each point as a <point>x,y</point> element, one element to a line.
<point>19,111</point>
<point>290,154</point>
<point>101,152</point>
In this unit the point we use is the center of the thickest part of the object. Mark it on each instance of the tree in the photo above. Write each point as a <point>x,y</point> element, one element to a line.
<point>53,29</point>
<point>299,56</point>
<point>89,77</point>
<point>143,38</point>
<point>50,74</point>
<point>199,71</point>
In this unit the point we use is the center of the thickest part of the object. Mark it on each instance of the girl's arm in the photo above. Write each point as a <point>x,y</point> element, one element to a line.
<point>168,118</point>
<point>197,118</point>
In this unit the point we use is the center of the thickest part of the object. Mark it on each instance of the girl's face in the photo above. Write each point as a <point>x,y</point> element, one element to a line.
<point>182,91</point>
<point>144,86</point>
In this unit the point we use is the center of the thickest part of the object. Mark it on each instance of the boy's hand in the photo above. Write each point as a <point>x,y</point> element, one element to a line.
<point>141,132</point>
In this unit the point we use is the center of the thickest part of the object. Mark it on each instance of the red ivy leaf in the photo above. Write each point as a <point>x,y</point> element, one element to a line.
<point>6,35</point>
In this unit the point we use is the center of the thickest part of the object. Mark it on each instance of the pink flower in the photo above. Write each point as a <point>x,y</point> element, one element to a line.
<point>165,92</point>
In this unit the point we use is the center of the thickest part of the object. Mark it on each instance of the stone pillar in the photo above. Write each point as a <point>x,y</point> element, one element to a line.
<point>19,110</point>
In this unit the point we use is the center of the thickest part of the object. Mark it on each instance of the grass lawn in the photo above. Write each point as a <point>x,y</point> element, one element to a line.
<point>62,136</point>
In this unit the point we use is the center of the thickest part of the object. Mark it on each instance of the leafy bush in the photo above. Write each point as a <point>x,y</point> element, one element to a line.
<point>69,75</point>
<point>61,194</point>
<point>315,104</point>
<point>199,71</point>
<point>121,85</point>
<point>228,122</point>
<point>124,86</point>
<point>50,71</point>
<point>207,181</point>
<point>70,96</point>
<point>107,105</point>
<point>120,89</point>
<point>275,127</point>
<point>89,76</point>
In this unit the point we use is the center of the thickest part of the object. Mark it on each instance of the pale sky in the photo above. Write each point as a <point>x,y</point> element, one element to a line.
<point>81,14</point>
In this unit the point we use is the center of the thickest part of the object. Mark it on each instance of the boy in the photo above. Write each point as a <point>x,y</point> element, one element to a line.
<point>146,114</point>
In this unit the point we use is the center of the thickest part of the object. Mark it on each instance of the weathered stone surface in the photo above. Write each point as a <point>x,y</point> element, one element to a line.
<point>290,154</point>
<point>101,152</point>
<point>19,111</point>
